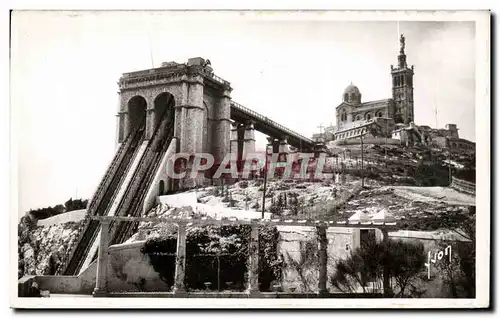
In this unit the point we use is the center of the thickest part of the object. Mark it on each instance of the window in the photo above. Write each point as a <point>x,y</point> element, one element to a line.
<point>379,114</point>
<point>358,117</point>
<point>368,116</point>
<point>343,115</point>
<point>346,96</point>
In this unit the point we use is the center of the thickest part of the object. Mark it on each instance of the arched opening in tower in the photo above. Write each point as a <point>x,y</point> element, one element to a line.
<point>136,112</point>
<point>205,129</point>
<point>161,186</point>
<point>164,107</point>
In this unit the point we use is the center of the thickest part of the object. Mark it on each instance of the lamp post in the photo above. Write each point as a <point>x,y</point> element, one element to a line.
<point>362,159</point>
<point>386,136</point>
<point>449,166</point>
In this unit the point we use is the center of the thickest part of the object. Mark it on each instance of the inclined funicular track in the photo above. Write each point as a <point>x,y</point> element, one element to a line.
<point>121,231</point>
<point>133,198</point>
<point>103,198</point>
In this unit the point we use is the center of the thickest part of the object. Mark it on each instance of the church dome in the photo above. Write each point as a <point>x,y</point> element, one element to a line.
<point>352,94</point>
<point>351,89</point>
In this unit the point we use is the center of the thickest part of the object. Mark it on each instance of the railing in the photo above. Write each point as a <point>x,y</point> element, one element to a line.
<point>149,162</point>
<point>204,220</point>
<point>270,122</point>
<point>135,207</point>
<point>463,186</point>
<point>94,230</point>
<point>218,79</point>
<point>109,173</point>
<point>157,70</point>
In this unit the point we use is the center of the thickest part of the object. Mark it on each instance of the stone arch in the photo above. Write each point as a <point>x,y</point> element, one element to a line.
<point>378,114</point>
<point>161,187</point>
<point>358,117</point>
<point>136,108</point>
<point>368,116</point>
<point>164,104</point>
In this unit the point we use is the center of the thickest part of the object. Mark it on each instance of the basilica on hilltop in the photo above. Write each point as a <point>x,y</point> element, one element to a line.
<point>355,117</point>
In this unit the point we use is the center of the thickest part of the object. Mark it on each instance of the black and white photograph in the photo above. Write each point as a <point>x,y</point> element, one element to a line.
<point>257,159</point>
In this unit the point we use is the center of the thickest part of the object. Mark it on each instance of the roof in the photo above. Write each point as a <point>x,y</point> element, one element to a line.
<point>351,89</point>
<point>375,102</point>
<point>461,139</point>
<point>371,104</point>
<point>359,216</point>
<point>383,215</point>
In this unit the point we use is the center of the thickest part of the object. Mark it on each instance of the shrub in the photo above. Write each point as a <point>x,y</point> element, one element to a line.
<point>217,255</point>
<point>404,261</point>
<point>243,184</point>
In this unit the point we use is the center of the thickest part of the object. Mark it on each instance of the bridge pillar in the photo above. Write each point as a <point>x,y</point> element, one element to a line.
<point>283,147</point>
<point>248,140</point>
<point>235,142</point>
<point>190,125</point>
<point>242,141</point>
<point>192,131</point>
<point>274,144</point>
<point>221,127</point>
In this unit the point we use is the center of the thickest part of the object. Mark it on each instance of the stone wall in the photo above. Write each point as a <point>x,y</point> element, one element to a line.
<point>81,284</point>
<point>130,270</point>
<point>367,141</point>
<point>341,241</point>
<point>436,287</point>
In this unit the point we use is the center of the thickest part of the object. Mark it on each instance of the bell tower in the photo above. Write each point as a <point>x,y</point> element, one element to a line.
<point>402,87</point>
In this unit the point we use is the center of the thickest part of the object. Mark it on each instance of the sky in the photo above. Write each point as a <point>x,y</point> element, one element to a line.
<point>65,67</point>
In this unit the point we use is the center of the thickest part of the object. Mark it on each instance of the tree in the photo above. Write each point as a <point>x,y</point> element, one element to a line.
<point>460,273</point>
<point>404,261</point>
<point>277,205</point>
<point>77,204</point>
<point>307,259</point>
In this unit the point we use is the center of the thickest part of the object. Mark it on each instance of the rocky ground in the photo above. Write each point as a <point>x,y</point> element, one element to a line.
<point>40,247</point>
<point>288,199</point>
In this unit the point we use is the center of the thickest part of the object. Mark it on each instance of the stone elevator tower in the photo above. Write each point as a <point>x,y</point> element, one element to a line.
<point>196,100</point>
<point>402,88</point>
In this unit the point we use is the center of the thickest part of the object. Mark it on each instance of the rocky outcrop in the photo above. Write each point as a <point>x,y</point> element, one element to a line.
<point>41,249</point>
